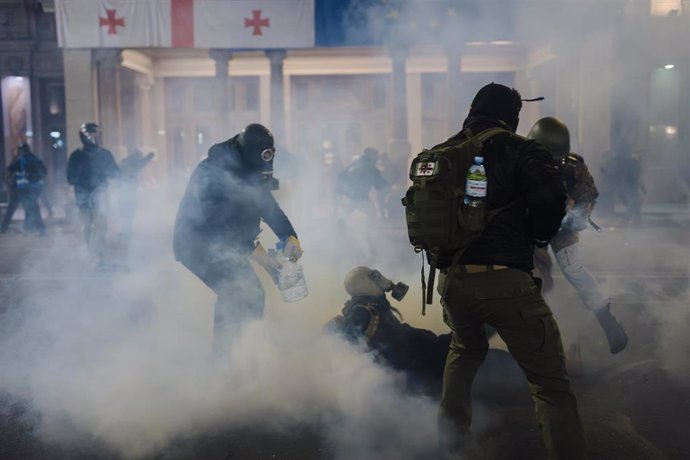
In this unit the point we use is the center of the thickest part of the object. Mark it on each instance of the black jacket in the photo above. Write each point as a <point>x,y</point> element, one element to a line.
<point>361,176</point>
<point>223,206</point>
<point>517,170</point>
<point>30,167</point>
<point>89,168</point>
<point>419,353</point>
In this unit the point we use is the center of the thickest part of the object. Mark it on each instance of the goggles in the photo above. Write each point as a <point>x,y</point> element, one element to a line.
<point>268,154</point>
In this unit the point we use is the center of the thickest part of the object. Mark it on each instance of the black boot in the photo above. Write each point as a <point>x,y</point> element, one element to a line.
<point>615,333</point>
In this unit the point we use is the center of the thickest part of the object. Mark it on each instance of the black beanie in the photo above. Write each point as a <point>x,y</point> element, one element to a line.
<point>498,102</point>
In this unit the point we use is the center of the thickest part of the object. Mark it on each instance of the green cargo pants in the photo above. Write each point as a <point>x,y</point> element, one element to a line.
<point>511,302</point>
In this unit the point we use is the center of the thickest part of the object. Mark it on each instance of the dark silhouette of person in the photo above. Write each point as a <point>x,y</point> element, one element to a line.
<point>88,170</point>
<point>26,175</point>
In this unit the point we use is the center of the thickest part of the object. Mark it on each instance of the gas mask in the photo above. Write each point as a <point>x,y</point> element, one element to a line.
<point>258,151</point>
<point>267,180</point>
<point>397,290</point>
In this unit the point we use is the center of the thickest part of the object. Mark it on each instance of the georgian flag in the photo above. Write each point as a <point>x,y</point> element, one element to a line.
<point>185,23</point>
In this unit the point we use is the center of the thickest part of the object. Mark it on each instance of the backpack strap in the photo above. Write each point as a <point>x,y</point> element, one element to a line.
<point>488,133</point>
<point>430,284</point>
<point>373,322</point>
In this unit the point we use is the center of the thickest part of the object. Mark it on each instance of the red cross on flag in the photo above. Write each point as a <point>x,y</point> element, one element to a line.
<point>259,24</point>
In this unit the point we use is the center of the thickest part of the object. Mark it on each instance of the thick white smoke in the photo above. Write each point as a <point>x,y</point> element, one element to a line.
<point>122,357</point>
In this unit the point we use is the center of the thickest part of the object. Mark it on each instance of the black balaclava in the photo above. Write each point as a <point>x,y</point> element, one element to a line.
<point>499,103</point>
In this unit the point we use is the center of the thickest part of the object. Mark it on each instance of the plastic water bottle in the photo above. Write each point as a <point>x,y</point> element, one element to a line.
<point>475,189</point>
<point>291,282</point>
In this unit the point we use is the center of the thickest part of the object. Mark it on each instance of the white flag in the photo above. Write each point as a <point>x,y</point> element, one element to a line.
<point>113,23</point>
<point>235,24</point>
<point>254,23</point>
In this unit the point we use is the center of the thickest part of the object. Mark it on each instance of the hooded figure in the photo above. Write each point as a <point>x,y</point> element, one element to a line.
<point>491,283</point>
<point>218,223</point>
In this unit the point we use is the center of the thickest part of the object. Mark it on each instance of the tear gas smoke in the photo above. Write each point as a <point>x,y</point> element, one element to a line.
<point>122,357</point>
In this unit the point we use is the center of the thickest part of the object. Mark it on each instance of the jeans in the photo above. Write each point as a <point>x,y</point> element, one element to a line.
<point>586,286</point>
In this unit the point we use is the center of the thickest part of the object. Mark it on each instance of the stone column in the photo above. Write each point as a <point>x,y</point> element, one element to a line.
<point>222,91</point>
<point>399,145</point>
<point>277,125</point>
<point>107,62</point>
<point>144,84</point>
<point>456,112</point>
<point>80,93</point>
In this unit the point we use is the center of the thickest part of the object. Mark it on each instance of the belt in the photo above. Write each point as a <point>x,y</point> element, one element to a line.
<point>479,268</point>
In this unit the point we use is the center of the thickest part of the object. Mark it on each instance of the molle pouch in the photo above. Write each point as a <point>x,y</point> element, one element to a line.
<point>471,219</point>
<point>430,205</point>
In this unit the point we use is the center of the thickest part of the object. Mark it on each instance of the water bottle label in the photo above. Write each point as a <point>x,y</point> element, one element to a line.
<point>291,283</point>
<point>476,188</point>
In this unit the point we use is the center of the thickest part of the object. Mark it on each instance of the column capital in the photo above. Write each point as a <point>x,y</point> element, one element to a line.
<point>220,54</point>
<point>111,56</point>
<point>399,52</point>
<point>222,59</point>
<point>144,82</point>
<point>276,56</point>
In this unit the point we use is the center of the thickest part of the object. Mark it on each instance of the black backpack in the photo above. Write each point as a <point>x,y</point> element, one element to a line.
<point>438,220</point>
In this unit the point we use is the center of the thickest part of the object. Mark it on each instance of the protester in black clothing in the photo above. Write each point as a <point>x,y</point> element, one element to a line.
<point>354,183</point>
<point>88,171</point>
<point>217,225</point>
<point>492,283</point>
<point>25,176</point>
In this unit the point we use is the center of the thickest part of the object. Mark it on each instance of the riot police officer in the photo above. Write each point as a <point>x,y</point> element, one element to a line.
<point>88,170</point>
<point>582,194</point>
<point>217,226</point>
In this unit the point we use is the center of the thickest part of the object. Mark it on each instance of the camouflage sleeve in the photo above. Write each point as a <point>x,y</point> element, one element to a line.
<point>584,192</point>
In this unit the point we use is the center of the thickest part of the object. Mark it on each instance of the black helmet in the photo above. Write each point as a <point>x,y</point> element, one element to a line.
<point>498,102</point>
<point>553,134</point>
<point>90,134</point>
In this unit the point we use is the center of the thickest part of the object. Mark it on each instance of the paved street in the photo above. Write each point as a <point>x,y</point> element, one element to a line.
<point>635,405</point>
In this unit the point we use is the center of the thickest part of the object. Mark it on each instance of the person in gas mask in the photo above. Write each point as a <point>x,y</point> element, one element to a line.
<point>368,316</point>
<point>553,134</point>
<point>217,226</point>
<point>89,170</point>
